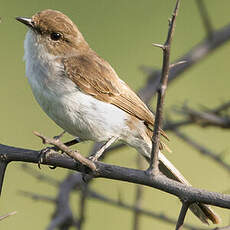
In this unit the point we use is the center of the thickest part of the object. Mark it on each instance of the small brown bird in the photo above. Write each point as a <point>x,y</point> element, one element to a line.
<point>83,94</point>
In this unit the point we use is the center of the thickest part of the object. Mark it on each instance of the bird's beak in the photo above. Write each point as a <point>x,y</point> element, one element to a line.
<point>27,21</point>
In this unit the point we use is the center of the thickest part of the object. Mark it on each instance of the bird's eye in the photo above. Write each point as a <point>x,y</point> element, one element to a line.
<point>55,36</point>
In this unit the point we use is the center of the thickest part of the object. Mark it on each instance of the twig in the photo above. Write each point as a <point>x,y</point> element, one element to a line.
<point>72,153</point>
<point>183,211</point>
<point>153,166</point>
<point>70,183</point>
<point>196,54</point>
<point>7,215</point>
<point>206,118</point>
<point>221,108</point>
<point>173,65</point>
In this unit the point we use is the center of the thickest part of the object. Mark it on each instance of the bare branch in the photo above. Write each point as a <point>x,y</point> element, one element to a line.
<point>176,64</point>
<point>153,165</point>
<point>121,173</point>
<point>141,211</point>
<point>206,118</point>
<point>116,203</point>
<point>63,215</point>
<point>195,55</point>
<point>72,153</point>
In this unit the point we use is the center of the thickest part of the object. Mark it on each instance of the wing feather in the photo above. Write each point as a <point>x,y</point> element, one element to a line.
<point>94,76</point>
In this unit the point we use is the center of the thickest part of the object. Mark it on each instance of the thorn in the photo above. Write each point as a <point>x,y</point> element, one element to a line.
<point>169,21</point>
<point>7,215</point>
<point>177,63</point>
<point>159,46</point>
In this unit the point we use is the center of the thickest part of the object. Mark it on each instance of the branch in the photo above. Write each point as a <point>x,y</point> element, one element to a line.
<point>100,197</point>
<point>63,215</point>
<point>207,118</point>
<point>84,195</point>
<point>122,174</point>
<point>195,55</point>
<point>72,153</point>
<point>153,165</point>
<point>116,203</point>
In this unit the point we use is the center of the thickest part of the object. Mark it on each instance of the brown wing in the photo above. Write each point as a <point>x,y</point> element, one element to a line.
<point>96,77</point>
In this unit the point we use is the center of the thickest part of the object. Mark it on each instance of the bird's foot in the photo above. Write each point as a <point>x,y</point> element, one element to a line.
<point>43,153</point>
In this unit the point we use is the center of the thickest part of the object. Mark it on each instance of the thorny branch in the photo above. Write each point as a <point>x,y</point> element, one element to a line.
<point>192,57</point>
<point>207,118</point>
<point>153,165</point>
<point>72,153</point>
<point>120,173</point>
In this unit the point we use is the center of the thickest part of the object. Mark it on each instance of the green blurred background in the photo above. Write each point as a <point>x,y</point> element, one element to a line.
<point>121,32</point>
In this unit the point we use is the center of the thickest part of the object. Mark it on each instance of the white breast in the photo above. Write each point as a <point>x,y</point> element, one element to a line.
<point>79,114</point>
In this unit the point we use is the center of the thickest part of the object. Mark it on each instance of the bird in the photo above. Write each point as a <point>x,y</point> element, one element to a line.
<point>83,94</point>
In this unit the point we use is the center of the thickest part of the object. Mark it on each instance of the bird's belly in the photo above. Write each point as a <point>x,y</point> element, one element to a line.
<point>82,115</point>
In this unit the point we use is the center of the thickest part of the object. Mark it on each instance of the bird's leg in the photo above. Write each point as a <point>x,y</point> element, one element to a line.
<point>73,142</point>
<point>97,155</point>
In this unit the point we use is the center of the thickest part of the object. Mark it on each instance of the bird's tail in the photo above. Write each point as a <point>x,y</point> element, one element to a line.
<point>202,211</point>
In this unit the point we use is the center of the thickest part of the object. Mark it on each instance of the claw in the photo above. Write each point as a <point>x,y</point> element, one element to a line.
<point>93,158</point>
<point>42,155</point>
